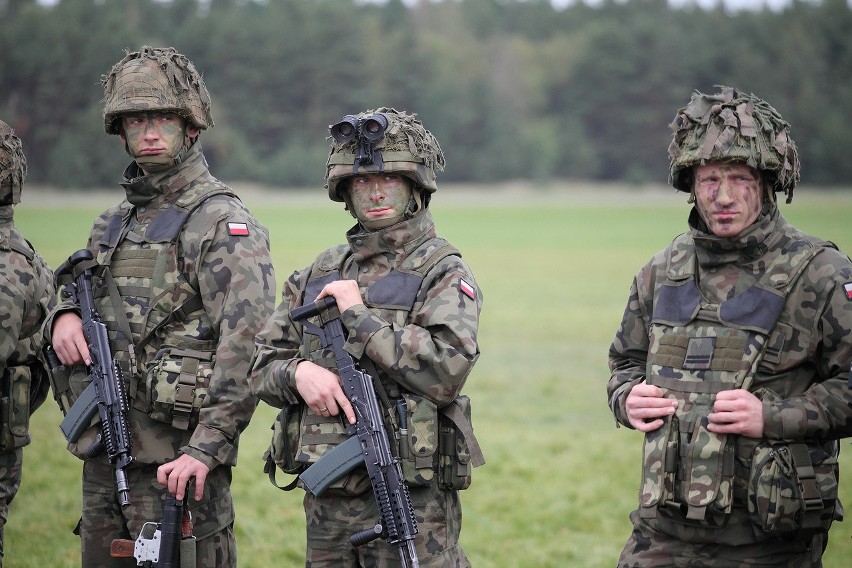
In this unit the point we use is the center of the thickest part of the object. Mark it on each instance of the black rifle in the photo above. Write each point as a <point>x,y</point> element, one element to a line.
<point>397,524</point>
<point>107,390</point>
<point>158,544</point>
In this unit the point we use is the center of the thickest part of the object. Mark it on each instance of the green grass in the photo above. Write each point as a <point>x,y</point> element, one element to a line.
<point>555,268</point>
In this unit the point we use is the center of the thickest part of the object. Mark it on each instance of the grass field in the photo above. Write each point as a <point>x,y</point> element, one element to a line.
<point>555,267</point>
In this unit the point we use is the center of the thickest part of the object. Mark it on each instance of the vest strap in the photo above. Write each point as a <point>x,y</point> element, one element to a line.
<point>185,393</point>
<point>807,477</point>
<point>463,425</point>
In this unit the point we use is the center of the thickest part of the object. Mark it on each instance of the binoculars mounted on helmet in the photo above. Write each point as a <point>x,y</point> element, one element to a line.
<point>367,129</point>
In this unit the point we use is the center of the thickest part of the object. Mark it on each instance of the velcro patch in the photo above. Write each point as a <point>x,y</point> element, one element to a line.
<point>467,289</point>
<point>238,229</point>
<point>848,288</point>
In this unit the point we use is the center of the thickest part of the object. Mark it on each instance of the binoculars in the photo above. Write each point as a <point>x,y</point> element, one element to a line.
<point>371,128</point>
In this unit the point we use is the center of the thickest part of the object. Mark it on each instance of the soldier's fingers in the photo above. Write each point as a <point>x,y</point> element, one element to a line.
<point>646,426</point>
<point>163,474</point>
<point>722,418</point>
<point>200,478</point>
<point>646,390</point>
<point>180,482</point>
<point>643,402</point>
<point>83,348</point>
<point>347,409</point>
<point>650,413</point>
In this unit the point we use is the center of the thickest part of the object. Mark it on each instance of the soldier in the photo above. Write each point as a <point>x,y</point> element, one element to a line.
<point>26,291</point>
<point>184,281</point>
<point>732,357</point>
<point>410,307</point>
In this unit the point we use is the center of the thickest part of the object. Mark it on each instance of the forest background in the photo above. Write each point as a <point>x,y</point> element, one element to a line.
<point>514,90</point>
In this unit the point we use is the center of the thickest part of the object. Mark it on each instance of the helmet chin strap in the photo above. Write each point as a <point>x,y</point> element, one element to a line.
<point>415,203</point>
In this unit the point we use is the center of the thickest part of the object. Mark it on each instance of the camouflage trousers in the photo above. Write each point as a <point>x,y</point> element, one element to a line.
<point>647,548</point>
<point>332,519</point>
<point>104,519</point>
<point>11,463</point>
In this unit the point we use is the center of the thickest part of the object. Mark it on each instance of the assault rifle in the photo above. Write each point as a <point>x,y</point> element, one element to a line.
<point>369,442</point>
<point>106,393</point>
<point>159,544</point>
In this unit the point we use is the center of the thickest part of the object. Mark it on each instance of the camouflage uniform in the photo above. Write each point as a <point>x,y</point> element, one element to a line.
<point>26,290</point>
<point>419,340</point>
<point>195,279</point>
<point>768,310</point>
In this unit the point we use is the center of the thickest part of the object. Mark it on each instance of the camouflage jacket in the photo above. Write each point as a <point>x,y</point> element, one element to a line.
<point>26,293</point>
<point>801,377</point>
<point>221,255</point>
<point>430,353</point>
<point>809,374</point>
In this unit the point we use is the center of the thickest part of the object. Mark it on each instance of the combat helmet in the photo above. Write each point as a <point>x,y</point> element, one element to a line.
<point>731,126</point>
<point>383,140</point>
<point>155,79</point>
<point>13,166</point>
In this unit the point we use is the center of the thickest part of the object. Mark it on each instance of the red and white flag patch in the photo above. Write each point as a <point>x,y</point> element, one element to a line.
<point>467,289</point>
<point>848,288</point>
<point>238,229</point>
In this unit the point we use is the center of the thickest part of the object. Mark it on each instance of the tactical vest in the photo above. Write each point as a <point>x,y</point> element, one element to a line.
<point>391,298</point>
<point>24,381</point>
<point>698,349</point>
<point>144,294</point>
<point>437,441</point>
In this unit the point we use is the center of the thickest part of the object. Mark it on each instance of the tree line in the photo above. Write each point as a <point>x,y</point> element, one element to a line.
<point>512,89</point>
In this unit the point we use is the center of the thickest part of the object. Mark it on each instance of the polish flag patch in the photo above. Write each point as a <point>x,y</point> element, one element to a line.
<point>238,229</point>
<point>467,289</point>
<point>848,288</point>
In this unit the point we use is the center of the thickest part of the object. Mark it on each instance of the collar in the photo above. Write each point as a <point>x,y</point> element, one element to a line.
<point>7,214</point>
<point>398,240</point>
<point>748,245</point>
<point>141,188</point>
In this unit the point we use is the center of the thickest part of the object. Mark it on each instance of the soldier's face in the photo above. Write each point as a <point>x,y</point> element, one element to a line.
<point>155,138</point>
<point>728,195</point>
<point>379,200</point>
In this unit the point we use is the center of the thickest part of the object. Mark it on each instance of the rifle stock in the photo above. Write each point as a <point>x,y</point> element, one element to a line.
<point>159,545</point>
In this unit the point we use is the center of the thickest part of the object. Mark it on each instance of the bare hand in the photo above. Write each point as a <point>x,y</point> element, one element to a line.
<point>737,412</point>
<point>175,475</point>
<point>321,391</point>
<point>68,340</point>
<point>646,407</point>
<point>345,292</point>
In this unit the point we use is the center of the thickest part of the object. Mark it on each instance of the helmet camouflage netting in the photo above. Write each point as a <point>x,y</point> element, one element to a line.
<point>406,148</point>
<point>13,166</point>
<point>155,79</point>
<point>731,126</point>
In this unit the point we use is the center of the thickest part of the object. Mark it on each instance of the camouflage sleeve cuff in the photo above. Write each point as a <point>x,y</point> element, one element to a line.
<point>360,324</point>
<point>784,420</point>
<point>206,459</point>
<point>47,326</point>
<point>211,447</point>
<point>617,405</point>
<point>288,379</point>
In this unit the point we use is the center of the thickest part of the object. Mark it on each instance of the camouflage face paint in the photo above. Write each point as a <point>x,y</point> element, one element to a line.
<point>379,200</point>
<point>728,195</point>
<point>153,139</point>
